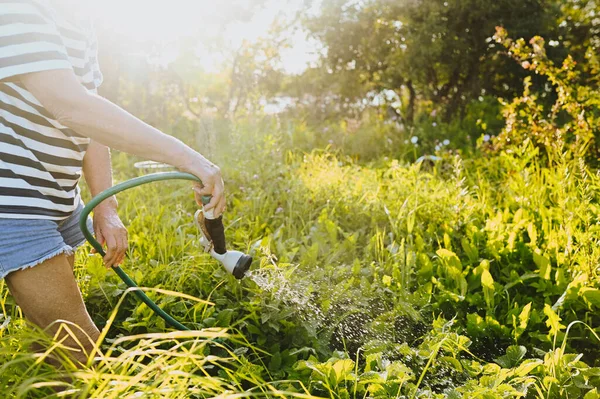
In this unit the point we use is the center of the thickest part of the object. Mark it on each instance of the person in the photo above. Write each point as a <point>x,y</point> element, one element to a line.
<point>54,127</point>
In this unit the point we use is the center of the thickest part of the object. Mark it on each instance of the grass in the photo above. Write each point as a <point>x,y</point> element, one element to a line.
<point>453,280</point>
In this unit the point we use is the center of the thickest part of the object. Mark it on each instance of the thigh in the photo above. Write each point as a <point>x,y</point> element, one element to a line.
<point>48,292</point>
<point>27,242</point>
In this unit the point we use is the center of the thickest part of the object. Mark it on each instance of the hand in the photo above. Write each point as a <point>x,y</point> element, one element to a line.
<point>212,183</point>
<point>110,233</point>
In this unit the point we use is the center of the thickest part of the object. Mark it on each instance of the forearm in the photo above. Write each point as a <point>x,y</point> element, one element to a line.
<point>97,171</point>
<point>97,118</point>
<point>108,228</point>
<point>92,116</point>
<point>114,127</point>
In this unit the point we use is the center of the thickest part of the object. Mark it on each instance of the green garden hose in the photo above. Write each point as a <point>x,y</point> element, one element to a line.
<point>126,185</point>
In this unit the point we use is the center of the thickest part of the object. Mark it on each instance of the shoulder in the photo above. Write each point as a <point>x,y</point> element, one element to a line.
<point>28,10</point>
<point>26,6</point>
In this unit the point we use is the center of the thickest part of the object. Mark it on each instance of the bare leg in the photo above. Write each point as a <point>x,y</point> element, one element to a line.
<point>49,292</point>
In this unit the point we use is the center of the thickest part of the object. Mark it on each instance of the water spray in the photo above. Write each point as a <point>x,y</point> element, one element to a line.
<point>211,229</point>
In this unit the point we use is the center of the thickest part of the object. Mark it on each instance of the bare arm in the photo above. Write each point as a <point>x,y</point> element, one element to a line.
<point>98,171</point>
<point>92,116</point>
<point>108,228</point>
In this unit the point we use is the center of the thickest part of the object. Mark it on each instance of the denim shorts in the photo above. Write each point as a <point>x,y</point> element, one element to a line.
<point>27,242</point>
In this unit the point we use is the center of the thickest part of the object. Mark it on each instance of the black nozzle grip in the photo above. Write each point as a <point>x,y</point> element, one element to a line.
<point>217,234</point>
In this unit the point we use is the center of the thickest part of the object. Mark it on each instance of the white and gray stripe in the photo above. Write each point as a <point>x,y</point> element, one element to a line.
<point>40,160</point>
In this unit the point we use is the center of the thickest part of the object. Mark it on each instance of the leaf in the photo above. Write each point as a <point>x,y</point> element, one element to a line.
<point>452,362</point>
<point>524,316</point>
<point>376,389</point>
<point>518,216</point>
<point>527,367</point>
<point>514,354</point>
<point>590,295</point>
<point>470,250</point>
<point>523,320</point>
<point>543,263</point>
<point>275,363</point>
<point>532,232</point>
<point>342,368</point>
<point>487,280</point>
<point>224,317</point>
<point>553,321</point>
<point>387,280</point>
<point>591,371</point>
<point>449,258</point>
<point>306,364</point>
<point>521,279</point>
<point>371,377</point>
<point>398,371</point>
<point>410,222</point>
<point>373,361</point>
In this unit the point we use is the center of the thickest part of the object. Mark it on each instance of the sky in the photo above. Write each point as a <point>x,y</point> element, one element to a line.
<point>168,21</point>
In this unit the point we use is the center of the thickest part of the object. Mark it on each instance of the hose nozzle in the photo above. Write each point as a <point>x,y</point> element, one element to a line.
<point>213,241</point>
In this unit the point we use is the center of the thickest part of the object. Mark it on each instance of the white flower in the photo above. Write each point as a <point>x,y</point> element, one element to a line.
<point>437,147</point>
<point>279,210</point>
<point>414,139</point>
<point>486,137</point>
<point>446,142</point>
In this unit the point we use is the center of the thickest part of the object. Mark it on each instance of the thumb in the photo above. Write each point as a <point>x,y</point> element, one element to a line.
<point>213,203</point>
<point>204,190</point>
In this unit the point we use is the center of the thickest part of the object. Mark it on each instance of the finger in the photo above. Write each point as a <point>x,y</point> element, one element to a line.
<point>203,190</point>
<point>217,193</point>
<point>119,254</point>
<point>214,200</point>
<point>122,248</point>
<point>220,207</point>
<point>199,197</point>
<point>120,260</point>
<point>111,245</point>
<point>99,238</point>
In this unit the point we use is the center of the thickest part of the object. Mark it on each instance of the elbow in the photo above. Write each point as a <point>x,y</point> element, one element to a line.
<point>63,115</point>
<point>68,109</point>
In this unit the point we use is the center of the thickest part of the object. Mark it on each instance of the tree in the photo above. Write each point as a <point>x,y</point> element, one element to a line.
<point>435,52</point>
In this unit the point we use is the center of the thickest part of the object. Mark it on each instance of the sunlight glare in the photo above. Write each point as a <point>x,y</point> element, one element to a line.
<point>167,22</point>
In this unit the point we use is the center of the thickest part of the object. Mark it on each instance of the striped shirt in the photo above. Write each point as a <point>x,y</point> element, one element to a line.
<point>40,160</point>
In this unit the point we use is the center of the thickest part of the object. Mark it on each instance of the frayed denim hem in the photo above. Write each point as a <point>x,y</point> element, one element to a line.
<point>66,250</point>
<point>78,245</point>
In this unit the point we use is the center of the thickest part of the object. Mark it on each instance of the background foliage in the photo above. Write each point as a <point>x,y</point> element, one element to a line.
<point>470,274</point>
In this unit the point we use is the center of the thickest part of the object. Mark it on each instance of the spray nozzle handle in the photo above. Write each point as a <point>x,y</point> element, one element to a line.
<point>216,231</point>
<point>213,232</point>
